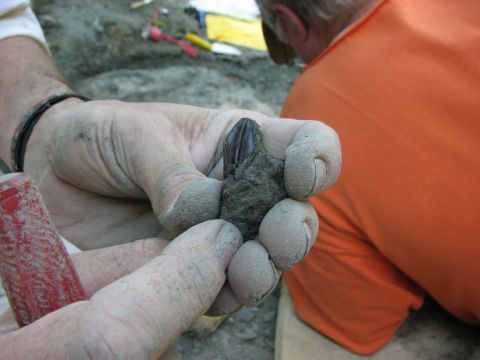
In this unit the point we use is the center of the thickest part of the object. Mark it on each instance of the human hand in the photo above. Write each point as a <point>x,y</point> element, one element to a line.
<point>103,166</point>
<point>139,315</point>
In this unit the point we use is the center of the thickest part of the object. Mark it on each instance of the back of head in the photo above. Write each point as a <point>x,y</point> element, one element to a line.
<point>317,10</point>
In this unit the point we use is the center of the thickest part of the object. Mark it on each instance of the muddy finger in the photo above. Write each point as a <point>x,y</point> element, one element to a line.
<point>114,262</point>
<point>312,161</point>
<point>251,274</point>
<point>199,202</point>
<point>288,231</point>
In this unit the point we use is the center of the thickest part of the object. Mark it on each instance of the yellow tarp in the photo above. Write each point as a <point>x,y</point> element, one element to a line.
<point>235,31</point>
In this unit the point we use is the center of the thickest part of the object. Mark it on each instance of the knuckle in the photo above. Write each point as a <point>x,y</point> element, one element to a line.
<point>108,337</point>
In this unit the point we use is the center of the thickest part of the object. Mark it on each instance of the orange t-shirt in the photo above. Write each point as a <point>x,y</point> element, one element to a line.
<point>402,89</point>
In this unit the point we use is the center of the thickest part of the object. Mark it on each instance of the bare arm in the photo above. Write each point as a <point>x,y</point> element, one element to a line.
<point>27,76</point>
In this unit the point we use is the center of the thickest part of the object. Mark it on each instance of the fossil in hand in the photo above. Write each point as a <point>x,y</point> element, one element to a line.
<point>254,179</point>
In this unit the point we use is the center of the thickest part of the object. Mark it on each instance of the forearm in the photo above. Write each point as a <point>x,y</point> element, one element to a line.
<point>27,76</point>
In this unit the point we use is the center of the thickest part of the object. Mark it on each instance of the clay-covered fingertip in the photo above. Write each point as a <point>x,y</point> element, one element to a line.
<point>288,232</point>
<point>199,202</point>
<point>312,162</point>
<point>251,274</point>
<point>300,173</point>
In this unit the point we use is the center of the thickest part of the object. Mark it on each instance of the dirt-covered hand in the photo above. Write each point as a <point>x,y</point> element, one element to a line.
<point>113,172</point>
<point>131,313</point>
<point>103,166</point>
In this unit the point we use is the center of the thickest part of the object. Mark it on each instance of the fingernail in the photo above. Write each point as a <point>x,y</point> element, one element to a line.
<point>308,238</point>
<point>274,280</point>
<point>300,172</point>
<point>320,176</point>
<point>228,240</point>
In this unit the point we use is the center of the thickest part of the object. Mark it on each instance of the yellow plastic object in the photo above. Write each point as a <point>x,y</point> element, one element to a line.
<point>197,40</point>
<point>235,31</point>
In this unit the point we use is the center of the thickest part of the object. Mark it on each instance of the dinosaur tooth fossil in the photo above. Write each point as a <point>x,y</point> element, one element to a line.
<point>254,179</point>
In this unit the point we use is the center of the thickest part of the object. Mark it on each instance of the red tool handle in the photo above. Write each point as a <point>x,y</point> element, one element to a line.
<point>37,272</point>
<point>185,45</point>
<point>154,33</point>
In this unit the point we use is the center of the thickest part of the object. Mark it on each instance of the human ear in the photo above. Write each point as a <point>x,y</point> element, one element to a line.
<point>294,28</point>
<point>307,37</point>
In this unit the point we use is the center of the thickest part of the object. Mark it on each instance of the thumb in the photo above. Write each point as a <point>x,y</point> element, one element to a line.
<point>173,289</point>
<point>126,150</point>
<point>181,196</point>
<point>139,315</point>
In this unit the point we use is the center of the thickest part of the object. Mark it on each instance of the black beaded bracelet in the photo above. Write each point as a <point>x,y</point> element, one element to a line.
<point>25,128</point>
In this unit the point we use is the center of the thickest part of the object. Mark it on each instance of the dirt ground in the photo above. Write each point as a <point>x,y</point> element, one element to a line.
<point>98,47</point>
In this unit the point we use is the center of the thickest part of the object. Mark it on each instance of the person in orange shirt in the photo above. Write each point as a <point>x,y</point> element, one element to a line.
<point>400,82</point>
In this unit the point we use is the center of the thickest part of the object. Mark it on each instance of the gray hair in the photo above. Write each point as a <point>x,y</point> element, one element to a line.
<point>325,10</point>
